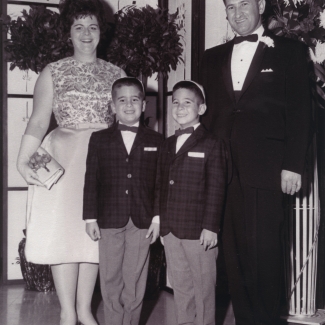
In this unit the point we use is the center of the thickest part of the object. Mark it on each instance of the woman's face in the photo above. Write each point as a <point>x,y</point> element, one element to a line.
<point>85,35</point>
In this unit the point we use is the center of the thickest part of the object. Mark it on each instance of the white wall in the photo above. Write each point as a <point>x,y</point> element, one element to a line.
<point>116,5</point>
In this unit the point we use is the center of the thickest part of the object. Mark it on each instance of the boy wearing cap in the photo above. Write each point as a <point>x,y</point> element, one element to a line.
<point>118,202</point>
<point>189,199</point>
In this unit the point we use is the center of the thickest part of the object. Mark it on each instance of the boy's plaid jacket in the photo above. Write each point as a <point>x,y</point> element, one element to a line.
<point>191,185</point>
<point>119,185</point>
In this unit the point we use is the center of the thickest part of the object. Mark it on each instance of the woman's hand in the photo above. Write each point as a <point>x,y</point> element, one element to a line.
<point>28,174</point>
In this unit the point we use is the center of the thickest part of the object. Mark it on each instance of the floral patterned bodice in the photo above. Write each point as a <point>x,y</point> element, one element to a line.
<point>82,91</point>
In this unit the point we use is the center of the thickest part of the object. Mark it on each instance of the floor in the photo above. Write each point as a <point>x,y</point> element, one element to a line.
<point>22,307</point>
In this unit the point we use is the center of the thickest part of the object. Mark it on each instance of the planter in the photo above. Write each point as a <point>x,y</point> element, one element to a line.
<point>37,277</point>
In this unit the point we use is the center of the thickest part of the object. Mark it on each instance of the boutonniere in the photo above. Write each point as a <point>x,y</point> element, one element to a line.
<point>267,40</point>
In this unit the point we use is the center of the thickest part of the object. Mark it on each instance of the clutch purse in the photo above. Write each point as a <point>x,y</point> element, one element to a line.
<point>47,168</point>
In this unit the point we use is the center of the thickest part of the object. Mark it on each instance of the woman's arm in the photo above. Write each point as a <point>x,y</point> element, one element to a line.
<point>42,105</point>
<point>37,125</point>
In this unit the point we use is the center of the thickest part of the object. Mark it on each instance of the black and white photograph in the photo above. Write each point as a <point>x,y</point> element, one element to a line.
<point>163,162</point>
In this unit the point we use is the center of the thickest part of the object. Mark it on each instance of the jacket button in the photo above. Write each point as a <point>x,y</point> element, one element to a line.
<point>171,182</point>
<point>126,192</point>
<point>127,159</point>
<point>129,176</point>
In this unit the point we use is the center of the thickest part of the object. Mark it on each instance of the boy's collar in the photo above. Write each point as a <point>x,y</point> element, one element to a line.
<point>135,124</point>
<point>195,126</point>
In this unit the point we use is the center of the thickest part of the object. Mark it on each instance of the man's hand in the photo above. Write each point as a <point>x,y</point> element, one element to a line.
<point>290,182</point>
<point>154,231</point>
<point>208,239</point>
<point>92,230</point>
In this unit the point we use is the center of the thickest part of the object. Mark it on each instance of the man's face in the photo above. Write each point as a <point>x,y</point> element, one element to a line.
<point>244,16</point>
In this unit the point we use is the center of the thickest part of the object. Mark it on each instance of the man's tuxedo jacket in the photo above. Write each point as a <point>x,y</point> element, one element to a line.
<point>271,119</point>
<point>191,185</point>
<point>119,185</point>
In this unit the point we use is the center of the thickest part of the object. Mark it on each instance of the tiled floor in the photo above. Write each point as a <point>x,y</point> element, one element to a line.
<point>22,307</point>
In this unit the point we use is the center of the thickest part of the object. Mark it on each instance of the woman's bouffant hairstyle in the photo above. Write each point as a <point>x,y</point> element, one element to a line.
<point>75,9</point>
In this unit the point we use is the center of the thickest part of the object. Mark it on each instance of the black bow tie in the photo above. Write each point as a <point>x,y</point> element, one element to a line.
<point>188,130</point>
<point>249,38</point>
<point>124,127</point>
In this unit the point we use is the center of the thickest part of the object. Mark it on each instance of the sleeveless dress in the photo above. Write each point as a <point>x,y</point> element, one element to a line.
<point>81,105</point>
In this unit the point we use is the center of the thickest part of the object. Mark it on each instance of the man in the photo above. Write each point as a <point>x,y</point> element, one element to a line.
<point>258,101</point>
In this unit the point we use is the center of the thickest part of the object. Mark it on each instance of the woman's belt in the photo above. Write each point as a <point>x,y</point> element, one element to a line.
<point>87,126</point>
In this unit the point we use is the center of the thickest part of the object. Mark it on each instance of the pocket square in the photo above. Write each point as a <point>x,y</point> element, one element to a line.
<point>267,70</point>
<point>150,148</point>
<point>196,154</point>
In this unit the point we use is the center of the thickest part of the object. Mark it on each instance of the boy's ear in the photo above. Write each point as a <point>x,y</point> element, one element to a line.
<point>113,107</point>
<point>202,109</point>
<point>144,105</point>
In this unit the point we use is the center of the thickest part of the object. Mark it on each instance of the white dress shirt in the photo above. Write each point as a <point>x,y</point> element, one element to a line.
<point>182,138</point>
<point>128,137</point>
<point>241,59</point>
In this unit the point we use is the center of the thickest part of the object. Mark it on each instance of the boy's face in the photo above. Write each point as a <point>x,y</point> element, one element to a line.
<point>186,109</point>
<point>128,104</point>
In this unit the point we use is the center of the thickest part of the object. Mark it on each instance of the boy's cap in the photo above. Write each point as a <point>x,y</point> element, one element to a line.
<point>199,86</point>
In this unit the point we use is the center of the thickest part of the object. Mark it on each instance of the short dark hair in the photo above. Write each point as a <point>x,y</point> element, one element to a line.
<point>128,81</point>
<point>192,86</point>
<point>70,10</point>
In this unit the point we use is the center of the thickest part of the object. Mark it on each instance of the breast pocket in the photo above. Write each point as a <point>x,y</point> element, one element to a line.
<point>193,169</point>
<point>267,76</point>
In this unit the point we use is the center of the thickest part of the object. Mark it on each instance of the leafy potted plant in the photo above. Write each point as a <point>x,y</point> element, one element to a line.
<point>36,39</point>
<point>146,41</point>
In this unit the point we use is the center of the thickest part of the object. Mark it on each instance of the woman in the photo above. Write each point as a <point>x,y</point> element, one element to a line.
<point>78,90</point>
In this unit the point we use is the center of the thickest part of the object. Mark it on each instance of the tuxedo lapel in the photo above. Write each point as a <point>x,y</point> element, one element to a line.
<point>254,67</point>
<point>226,71</point>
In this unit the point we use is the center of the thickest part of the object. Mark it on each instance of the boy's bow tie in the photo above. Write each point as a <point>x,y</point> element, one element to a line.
<point>188,130</point>
<point>249,38</point>
<point>124,127</point>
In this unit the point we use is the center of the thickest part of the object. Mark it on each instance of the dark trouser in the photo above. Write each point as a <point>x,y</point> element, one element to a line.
<point>253,252</point>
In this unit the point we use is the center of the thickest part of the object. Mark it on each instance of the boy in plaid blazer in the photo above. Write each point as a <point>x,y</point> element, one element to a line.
<point>189,199</point>
<point>118,202</point>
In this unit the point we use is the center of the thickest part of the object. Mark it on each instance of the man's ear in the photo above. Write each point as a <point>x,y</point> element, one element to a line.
<point>261,6</point>
<point>202,109</point>
<point>144,105</point>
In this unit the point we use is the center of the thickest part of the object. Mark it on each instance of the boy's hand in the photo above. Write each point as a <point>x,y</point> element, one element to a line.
<point>208,239</point>
<point>154,231</point>
<point>92,230</point>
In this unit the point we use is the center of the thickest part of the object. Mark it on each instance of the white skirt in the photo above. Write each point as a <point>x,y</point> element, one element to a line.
<point>55,228</point>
